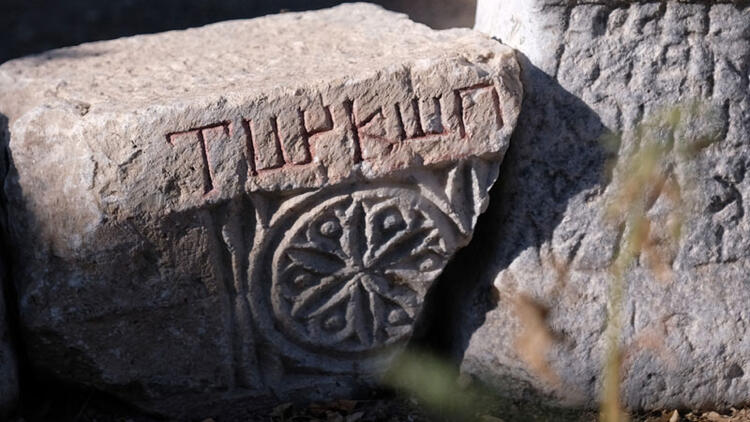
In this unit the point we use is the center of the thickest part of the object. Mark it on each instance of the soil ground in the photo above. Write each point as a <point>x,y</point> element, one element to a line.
<point>388,407</point>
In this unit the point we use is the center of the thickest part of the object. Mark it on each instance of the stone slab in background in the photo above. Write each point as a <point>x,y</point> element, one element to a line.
<point>592,68</point>
<point>437,14</point>
<point>248,210</point>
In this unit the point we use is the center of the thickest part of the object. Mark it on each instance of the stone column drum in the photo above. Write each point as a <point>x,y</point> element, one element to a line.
<point>592,69</point>
<point>252,209</point>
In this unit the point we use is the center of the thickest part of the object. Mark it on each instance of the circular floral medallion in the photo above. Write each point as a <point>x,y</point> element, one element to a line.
<point>350,274</point>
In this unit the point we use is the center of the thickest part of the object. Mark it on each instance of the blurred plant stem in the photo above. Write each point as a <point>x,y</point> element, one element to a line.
<point>433,381</point>
<point>646,174</point>
<point>641,179</point>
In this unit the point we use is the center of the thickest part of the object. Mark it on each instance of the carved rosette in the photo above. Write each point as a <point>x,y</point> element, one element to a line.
<point>349,274</point>
<point>341,274</point>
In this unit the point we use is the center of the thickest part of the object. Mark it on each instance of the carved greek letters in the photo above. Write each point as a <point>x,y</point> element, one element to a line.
<point>204,139</point>
<point>250,211</point>
<point>266,147</point>
<point>318,119</point>
<point>430,116</point>
<point>286,140</point>
<point>480,106</point>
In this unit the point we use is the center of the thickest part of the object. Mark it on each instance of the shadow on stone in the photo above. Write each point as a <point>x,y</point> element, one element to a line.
<point>43,396</point>
<point>555,154</point>
<point>8,310</point>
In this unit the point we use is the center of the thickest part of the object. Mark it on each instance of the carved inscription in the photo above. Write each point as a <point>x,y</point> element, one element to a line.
<point>284,140</point>
<point>289,139</point>
<point>205,138</point>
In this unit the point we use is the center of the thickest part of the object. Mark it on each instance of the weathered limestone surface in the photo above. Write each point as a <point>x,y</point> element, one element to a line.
<point>252,209</point>
<point>591,68</point>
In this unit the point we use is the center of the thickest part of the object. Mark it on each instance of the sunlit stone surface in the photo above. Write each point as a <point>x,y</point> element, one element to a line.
<point>249,210</point>
<point>593,68</point>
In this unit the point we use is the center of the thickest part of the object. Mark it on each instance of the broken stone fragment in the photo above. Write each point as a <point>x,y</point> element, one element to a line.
<point>252,209</point>
<point>592,69</point>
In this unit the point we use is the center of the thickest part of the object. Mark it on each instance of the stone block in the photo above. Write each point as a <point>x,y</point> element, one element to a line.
<point>252,209</point>
<point>592,69</point>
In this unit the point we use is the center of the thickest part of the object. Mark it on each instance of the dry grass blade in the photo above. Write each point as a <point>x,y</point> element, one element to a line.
<point>535,338</point>
<point>642,178</point>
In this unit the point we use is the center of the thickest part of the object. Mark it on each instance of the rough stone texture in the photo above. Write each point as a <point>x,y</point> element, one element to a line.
<point>25,26</point>
<point>591,68</point>
<point>252,209</point>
